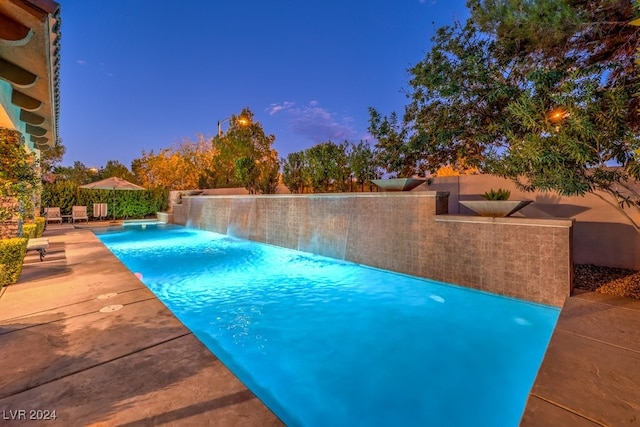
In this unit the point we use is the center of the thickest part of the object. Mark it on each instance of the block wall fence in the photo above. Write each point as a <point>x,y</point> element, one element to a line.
<point>408,233</point>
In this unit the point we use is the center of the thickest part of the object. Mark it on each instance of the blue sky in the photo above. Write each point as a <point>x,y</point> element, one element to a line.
<point>144,74</point>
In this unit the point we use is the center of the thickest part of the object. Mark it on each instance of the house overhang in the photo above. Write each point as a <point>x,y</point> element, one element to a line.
<point>30,63</point>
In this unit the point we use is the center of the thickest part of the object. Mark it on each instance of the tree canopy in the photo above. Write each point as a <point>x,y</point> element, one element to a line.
<point>329,167</point>
<point>180,167</point>
<point>245,156</point>
<point>539,92</point>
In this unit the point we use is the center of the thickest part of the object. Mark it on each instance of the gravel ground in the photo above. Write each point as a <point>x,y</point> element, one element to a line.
<point>607,280</point>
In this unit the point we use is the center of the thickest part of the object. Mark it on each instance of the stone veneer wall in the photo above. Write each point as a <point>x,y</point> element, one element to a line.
<point>402,232</point>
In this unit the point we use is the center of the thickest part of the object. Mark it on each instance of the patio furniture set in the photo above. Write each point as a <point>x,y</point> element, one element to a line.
<point>78,213</point>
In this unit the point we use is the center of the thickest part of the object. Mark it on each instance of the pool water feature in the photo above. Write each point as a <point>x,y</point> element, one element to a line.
<point>326,342</point>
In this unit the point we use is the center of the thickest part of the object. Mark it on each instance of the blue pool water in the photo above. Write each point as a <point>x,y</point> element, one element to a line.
<point>325,342</point>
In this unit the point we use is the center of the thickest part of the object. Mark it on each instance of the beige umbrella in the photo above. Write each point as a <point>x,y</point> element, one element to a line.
<point>114,183</point>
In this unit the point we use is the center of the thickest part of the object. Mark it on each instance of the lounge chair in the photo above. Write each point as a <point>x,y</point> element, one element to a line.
<point>39,244</point>
<point>78,213</point>
<point>53,215</point>
<point>99,210</point>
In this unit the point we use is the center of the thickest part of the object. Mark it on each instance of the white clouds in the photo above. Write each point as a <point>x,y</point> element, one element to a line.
<point>276,108</point>
<point>314,122</point>
<point>101,67</point>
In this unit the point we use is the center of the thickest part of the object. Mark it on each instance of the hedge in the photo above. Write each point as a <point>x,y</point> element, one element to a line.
<point>29,231</point>
<point>12,252</point>
<point>128,204</point>
<point>40,225</point>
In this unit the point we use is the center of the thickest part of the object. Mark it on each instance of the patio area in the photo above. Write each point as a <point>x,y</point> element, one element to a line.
<point>138,365</point>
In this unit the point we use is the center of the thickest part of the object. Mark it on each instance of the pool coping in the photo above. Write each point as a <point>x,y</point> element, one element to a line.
<point>154,368</point>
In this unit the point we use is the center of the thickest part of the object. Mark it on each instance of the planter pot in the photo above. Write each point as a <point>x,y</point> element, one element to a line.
<point>495,208</point>
<point>398,184</point>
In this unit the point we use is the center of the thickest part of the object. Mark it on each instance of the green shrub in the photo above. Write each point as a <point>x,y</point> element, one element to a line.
<point>499,194</point>
<point>12,252</point>
<point>4,276</point>
<point>40,223</point>
<point>29,230</point>
<point>128,204</point>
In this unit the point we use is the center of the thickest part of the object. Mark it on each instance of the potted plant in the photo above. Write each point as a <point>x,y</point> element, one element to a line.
<point>496,203</point>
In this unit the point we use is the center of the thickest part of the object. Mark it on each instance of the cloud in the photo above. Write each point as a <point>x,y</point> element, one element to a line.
<point>276,108</point>
<point>315,122</point>
<point>81,61</point>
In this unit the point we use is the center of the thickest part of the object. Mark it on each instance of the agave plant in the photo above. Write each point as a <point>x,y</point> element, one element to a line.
<point>499,194</point>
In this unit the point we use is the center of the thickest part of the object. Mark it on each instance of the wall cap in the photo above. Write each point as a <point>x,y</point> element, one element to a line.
<point>538,222</point>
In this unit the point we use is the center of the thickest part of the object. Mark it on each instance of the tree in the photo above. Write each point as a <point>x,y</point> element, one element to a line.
<point>184,166</point>
<point>117,169</point>
<point>50,158</point>
<point>362,163</point>
<point>78,173</point>
<point>246,145</point>
<point>247,173</point>
<point>458,100</point>
<point>393,152</point>
<point>269,168</point>
<point>293,171</point>
<point>327,167</point>
<point>538,92</point>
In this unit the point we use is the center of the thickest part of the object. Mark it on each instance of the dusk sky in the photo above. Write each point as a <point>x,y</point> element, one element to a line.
<point>145,74</point>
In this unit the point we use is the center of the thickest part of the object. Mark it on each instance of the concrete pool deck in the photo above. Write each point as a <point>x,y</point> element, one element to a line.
<point>131,367</point>
<point>590,375</point>
<point>140,366</point>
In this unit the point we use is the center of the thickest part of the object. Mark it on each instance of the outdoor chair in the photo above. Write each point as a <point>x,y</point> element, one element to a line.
<point>53,215</point>
<point>78,213</point>
<point>99,210</point>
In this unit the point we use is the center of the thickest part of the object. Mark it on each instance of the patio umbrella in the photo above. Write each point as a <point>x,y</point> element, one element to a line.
<point>114,183</point>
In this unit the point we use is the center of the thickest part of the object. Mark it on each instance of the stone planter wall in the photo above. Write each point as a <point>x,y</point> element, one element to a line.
<point>404,232</point>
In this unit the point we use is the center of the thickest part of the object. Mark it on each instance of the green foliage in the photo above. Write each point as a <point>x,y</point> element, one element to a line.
<point>555,32</point>
<point>29,230</point>
<point>79,174</point>
<point>293,174</point>
<point>527,25</point>
<point>62,194</point>
<point>117,169</point>
<point>244,156</point>
<point>128,204</point>
<point>4,275</point>
<point>393,152</point>
<point>40,225</point>
<point>12,252</point>
<point>18,177</point>
<point>569,129</point>
<point>499,194</point>
<point>50,158</point>
<point>460,93</point>
<point>538,92</point>
<point>329,167</point>
<point>363,163</point>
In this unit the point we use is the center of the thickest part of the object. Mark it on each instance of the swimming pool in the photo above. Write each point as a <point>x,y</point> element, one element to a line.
<point>325,342</point>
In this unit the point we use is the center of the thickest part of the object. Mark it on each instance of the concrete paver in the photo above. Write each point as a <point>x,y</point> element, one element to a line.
<point>590,374</point>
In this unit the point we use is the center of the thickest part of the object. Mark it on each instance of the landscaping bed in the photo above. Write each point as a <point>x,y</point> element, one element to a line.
<point>611,281</point>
